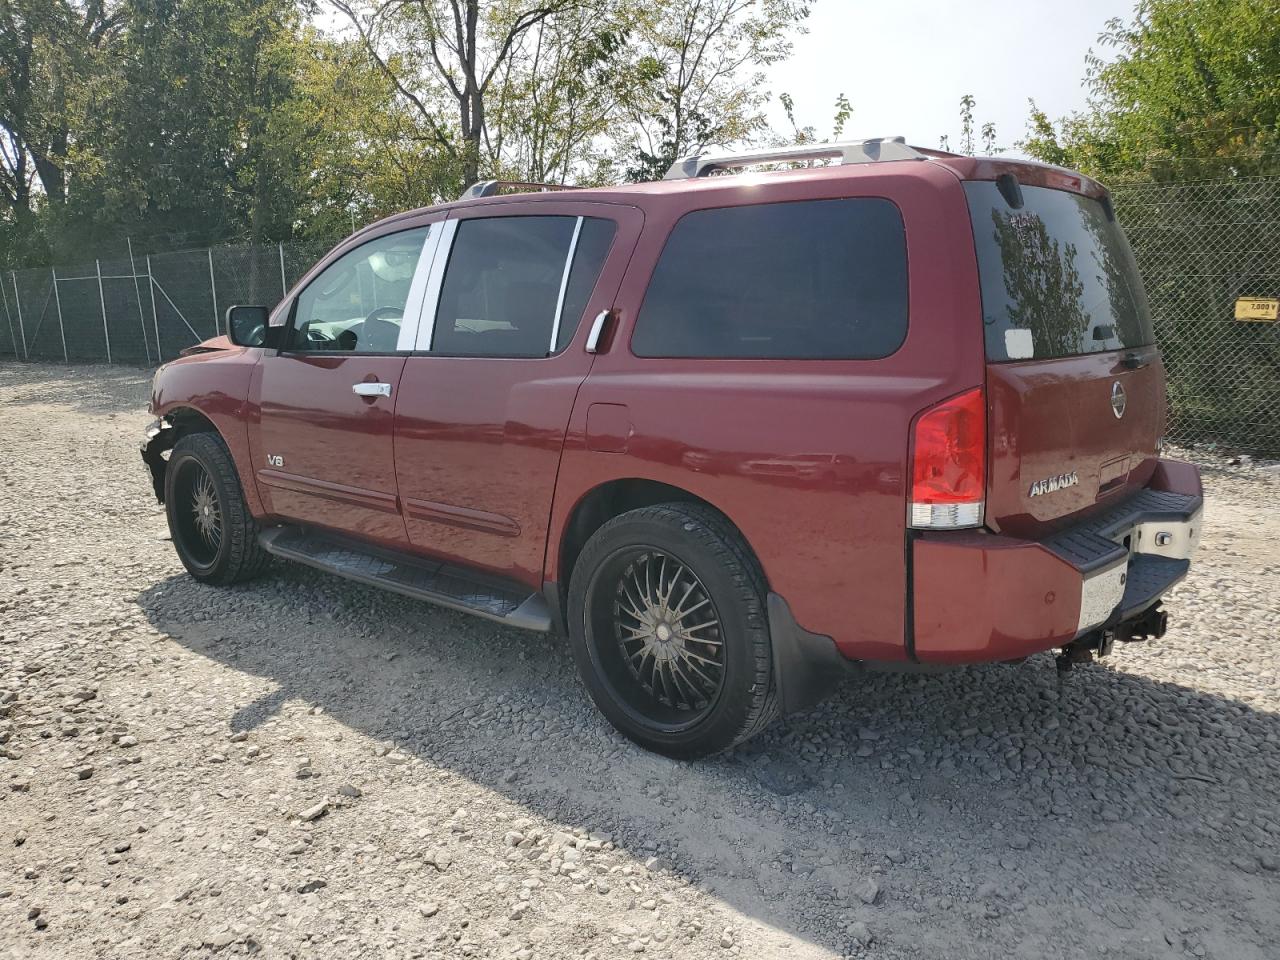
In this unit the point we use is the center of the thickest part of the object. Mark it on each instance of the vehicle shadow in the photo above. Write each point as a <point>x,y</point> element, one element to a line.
<point>999,810</point>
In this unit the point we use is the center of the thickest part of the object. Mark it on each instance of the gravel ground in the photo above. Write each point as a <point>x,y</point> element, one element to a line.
<point>303,767</point>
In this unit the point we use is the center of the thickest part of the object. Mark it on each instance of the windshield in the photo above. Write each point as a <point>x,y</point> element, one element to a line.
<point>1058,278</point>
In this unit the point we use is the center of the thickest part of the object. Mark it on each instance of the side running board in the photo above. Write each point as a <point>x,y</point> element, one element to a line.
<point>413,576</point>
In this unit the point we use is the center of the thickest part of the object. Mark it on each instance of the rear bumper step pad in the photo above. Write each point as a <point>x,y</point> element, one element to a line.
<point>1149,578</point>
<point>1091,545</point>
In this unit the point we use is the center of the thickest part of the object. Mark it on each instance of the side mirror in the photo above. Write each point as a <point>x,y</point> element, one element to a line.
<point>247,326</point>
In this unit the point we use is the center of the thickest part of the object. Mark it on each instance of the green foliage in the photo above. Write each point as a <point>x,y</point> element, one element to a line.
<point>968,142</point>
<point>48,49</point>
<point>699,64</point>
<point>181,123</point>
<point>808,133</point>
<point>1193,92</point>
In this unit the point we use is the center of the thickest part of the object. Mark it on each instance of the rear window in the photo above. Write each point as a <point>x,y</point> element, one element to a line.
<point>817,279</point>
<point>1058,277</point>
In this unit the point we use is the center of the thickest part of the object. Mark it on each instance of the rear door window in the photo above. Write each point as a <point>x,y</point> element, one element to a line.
<point>817,279</point>
<point>1058,277</point>
<point>517,286</point>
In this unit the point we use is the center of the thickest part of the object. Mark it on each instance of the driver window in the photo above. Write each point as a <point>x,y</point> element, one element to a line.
<point>357,303</point>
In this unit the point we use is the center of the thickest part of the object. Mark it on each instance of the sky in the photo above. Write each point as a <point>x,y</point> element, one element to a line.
<point>905,65</point>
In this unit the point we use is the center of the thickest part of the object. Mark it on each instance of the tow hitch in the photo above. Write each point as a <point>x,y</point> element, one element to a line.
<point>1151,624</point>
<point>1148,625</point>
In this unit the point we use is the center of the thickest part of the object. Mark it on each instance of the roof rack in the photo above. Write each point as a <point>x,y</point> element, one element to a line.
<point>491,188</point>
<point>848,151</point>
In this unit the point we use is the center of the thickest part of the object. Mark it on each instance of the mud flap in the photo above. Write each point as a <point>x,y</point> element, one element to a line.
<point>807,667</point>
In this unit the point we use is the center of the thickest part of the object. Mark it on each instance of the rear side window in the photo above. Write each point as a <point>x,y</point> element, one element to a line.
<point>818,279</point>
<point>510,284</point>
<point>1058,277</point>
<point>594,240</point>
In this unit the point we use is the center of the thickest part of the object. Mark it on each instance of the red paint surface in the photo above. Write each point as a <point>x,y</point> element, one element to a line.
<point>980,597</point>
<point>483,435</point>
<point>1051,417</point>
<point>807,457</point>
<point>339,469</point>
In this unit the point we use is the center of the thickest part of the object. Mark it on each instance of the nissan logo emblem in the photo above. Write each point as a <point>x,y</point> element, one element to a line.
<point>1118,400</point>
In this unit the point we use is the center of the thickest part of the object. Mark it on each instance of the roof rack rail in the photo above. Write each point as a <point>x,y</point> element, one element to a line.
<point>491,188</point>
<point>847,151</point>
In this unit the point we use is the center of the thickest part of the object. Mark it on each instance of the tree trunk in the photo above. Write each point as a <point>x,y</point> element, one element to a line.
<point>473,109</point>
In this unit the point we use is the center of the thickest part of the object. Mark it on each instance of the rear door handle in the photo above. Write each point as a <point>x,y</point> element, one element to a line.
<point>1133,361</point>
<point>371,389</point>
<point>597,328</point>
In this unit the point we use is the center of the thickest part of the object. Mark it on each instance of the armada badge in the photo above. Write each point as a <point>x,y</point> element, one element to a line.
<point>1054,484</point>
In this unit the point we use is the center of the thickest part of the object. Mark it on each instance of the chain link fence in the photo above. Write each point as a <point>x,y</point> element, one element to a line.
<point>136,308</point>
<point>1201,246</point>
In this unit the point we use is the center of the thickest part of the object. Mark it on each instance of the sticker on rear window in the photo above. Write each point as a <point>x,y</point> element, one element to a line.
<point>1019,344</point>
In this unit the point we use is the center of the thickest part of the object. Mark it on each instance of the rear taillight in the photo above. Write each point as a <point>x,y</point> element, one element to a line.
<point>949,463</point>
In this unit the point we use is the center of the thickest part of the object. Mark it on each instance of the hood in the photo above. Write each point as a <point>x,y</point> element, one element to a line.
<point>219,342</point>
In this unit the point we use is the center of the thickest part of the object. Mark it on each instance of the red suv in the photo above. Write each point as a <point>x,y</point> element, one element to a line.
<point>734,433</point>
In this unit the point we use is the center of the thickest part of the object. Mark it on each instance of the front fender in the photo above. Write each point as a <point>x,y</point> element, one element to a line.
<point>203,391</point>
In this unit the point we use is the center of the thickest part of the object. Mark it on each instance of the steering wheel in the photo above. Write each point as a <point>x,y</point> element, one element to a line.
<point>256,336</point>
<point>379,332</point>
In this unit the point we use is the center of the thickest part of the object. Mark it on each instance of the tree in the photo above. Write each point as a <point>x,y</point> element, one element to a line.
<point>698,80</point>
<point>559,97</point>
<point>968,145</point>
<point>365,150</point>
<point>184,134</point>
<point>470,44</point>
<point>181,123</point>
<point>47,49</point>
<point>1193,92</point>
<point>808,133</point>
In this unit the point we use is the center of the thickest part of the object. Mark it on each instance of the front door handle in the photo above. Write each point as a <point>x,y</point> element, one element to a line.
<point>371,389</point>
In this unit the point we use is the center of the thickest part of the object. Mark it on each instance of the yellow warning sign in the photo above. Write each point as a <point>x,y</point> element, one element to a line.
<point>1253,308</point>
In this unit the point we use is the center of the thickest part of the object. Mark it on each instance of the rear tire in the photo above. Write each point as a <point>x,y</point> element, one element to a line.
<point>668,625</point>
<point>212,529</point>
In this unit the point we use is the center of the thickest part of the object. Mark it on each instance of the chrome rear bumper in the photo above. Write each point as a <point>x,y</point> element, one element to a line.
<point>1132,554</point>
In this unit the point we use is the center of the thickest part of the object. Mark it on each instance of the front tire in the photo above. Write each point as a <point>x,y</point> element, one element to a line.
<point>212,529</point>
<point>668,627</point>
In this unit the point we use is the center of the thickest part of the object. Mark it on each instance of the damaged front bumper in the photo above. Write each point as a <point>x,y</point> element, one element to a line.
<point>157,441</point>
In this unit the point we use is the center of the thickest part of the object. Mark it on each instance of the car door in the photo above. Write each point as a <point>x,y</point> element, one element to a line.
<point>322,441</point>
<point>485,400</point>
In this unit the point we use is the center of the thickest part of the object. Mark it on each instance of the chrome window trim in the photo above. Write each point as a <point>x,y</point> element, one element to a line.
<point>564,287</point>
<point>412,317</point>
<point>435,282</point>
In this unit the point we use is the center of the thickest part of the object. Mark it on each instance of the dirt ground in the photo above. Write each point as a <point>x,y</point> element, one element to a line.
<point>302,767</point>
